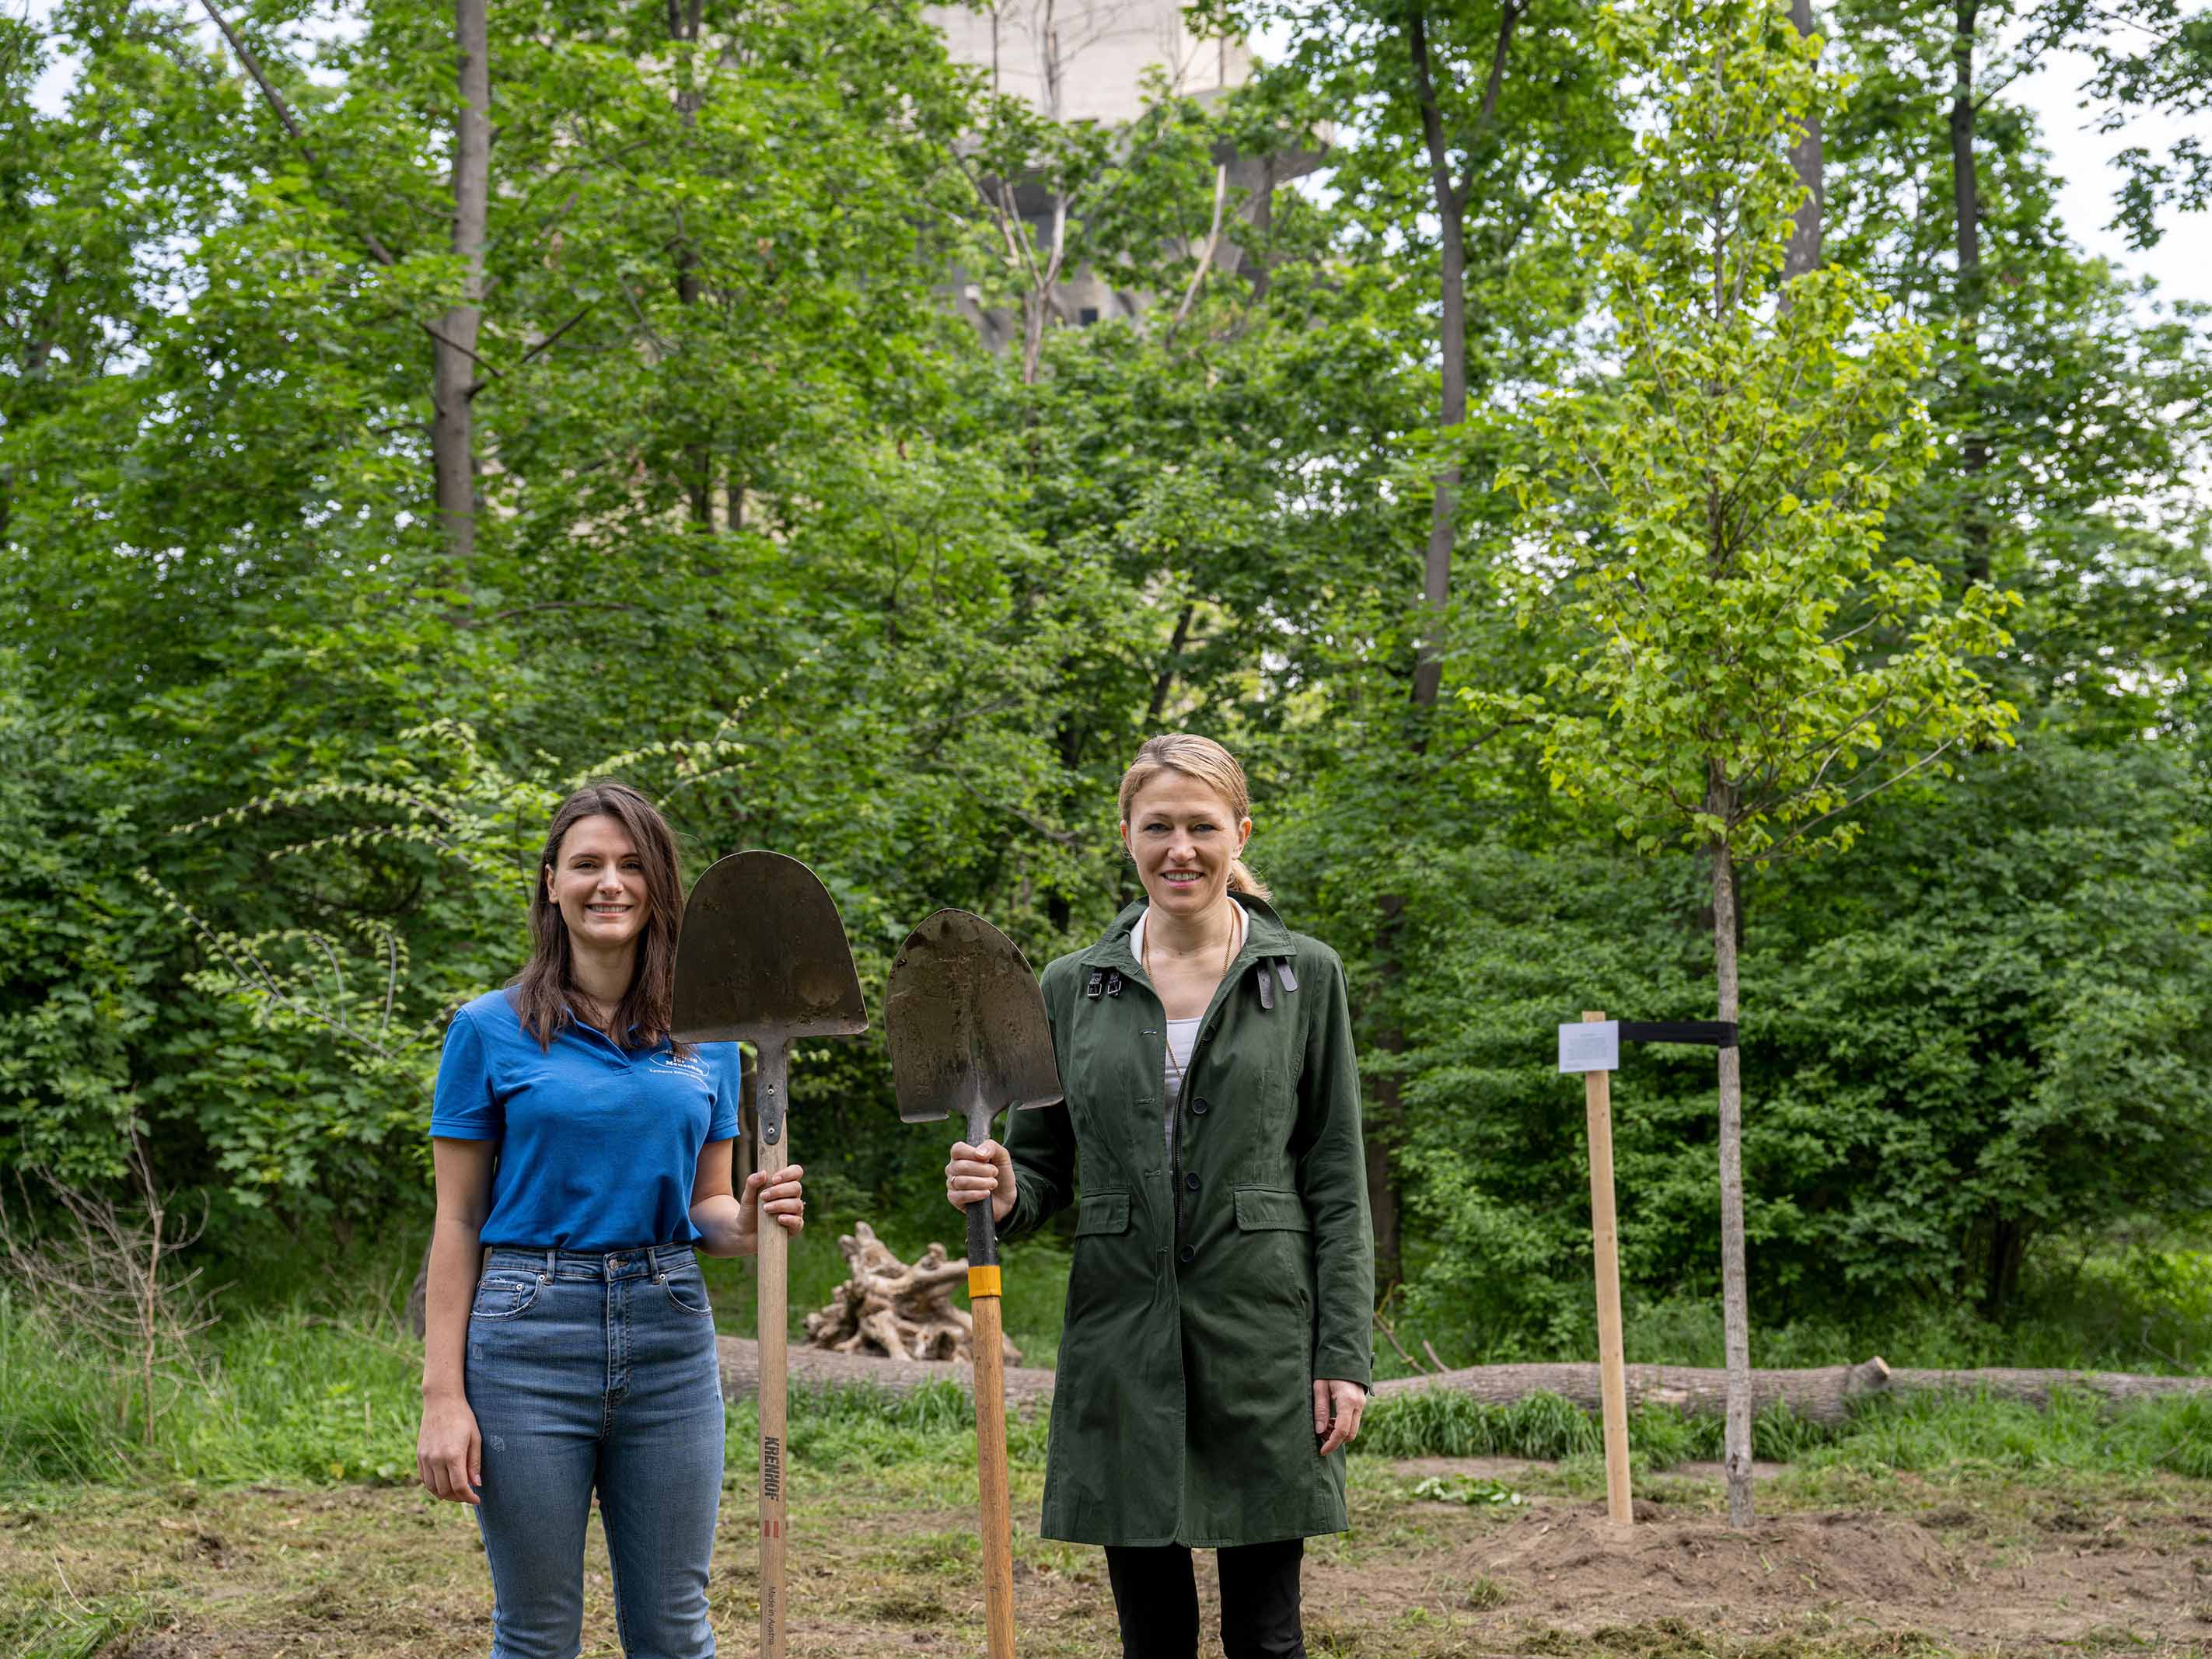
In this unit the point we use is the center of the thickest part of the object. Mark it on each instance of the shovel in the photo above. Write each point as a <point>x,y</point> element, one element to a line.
<point>762,959</point>
<point>969,1039</point>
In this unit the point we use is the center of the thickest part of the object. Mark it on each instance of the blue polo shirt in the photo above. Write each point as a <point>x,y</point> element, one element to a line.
<point>597,1143</point>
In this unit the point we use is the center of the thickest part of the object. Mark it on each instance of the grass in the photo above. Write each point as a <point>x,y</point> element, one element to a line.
<point>882,1568</point>
<point>307,1399</point>
<point>320,1382</point>
<point>1438,1424</point>
<point>299,1400</point>
<point>1921,1432</point>
<point>242,1513</point>
<point>244,1528</point>
<point>311,1378</point>
<point>885,1563</point>
<point>37,1627</point>
<point>300,1394</point>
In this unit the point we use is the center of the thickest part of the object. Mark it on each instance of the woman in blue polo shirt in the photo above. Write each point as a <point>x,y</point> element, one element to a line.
<point>582,1158</point>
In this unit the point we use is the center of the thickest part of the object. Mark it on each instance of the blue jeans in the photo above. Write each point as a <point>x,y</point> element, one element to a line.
<point>598,1371</point>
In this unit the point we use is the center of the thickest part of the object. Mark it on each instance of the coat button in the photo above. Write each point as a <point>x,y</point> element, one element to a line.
<point>1190,1182</point>
<point>1187,1254</point>
<point>1198,1107</point>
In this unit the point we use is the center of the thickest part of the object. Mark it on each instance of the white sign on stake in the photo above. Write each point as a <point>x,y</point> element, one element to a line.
<point>1590,1045</point>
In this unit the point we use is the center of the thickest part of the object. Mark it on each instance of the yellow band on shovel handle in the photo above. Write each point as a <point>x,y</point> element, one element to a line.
<point>983,1281</point>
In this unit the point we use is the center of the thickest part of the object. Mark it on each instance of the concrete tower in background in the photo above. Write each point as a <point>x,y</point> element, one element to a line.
<point>1087,61</point>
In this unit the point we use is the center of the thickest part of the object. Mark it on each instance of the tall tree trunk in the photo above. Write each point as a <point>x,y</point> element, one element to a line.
<point>1450,196</point>
<point>2008,1248</point>
<point>1735,1313</point>
<point>453,437</point>
<point>1804,250</point>
<point>1389,1112</point>
<point>685,17</point>
<point>1966,203</point>
<point>1263,226</point>
<point>1165,679</point>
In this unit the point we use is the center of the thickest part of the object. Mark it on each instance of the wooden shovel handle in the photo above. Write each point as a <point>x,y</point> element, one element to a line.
<point>995,1521</point>
<point>996,1507</point>
<point>775,1323</point>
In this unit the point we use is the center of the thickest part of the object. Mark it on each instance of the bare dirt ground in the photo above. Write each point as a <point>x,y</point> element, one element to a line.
<point>883,1564</point>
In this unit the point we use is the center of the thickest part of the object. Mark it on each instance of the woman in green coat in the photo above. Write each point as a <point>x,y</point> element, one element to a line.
<point>1214,1359</point>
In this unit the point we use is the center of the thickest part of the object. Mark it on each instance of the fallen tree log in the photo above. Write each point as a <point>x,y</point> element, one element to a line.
<point>2036,1386</point>
<point>1820,1396</point>
<point>1824,1396</point>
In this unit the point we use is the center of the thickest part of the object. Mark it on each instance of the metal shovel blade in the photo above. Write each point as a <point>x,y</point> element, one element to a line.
<point>967,1023</point>
<point>763,955</point>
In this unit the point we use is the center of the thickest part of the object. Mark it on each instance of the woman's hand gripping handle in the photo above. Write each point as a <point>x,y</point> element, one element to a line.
<point>981,1168</point>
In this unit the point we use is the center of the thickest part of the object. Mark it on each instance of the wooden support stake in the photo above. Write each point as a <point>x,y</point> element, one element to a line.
<point>1597,1098</point>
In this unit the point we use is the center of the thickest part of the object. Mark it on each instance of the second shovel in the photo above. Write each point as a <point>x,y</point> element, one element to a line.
<point>969,1040</point>
<point>762,959</point>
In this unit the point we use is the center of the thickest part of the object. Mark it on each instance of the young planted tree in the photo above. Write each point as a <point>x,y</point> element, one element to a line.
<point>1746,662</point>
<point>1454,121</point>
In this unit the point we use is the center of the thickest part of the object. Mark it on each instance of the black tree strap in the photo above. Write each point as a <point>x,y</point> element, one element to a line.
<point>1706,1033</point>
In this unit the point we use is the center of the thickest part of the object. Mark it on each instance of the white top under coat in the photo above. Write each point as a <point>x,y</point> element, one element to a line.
<point>1182,1034</point>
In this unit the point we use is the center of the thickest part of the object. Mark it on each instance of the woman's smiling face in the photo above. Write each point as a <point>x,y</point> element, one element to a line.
<point>1184,836</point>
<point>598,880</point>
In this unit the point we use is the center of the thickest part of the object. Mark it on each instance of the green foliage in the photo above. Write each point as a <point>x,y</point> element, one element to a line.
<point>1740,646</point>
<point>2020,1048</point>
<point>76,994</point>
<point>1466,1490</point>
<point>767,527</point>
<point>1915,1021</point>
<point>2061,393</point>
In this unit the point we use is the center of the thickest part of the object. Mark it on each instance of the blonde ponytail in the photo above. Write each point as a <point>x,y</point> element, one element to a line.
<point>1241,880</point>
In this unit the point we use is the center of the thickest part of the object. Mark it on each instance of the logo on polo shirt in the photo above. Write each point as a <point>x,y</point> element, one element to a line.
<point>690,1065</point>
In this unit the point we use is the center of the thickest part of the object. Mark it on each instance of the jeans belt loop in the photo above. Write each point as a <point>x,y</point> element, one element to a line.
<point>552,1263</point>
<point>659,1273</point>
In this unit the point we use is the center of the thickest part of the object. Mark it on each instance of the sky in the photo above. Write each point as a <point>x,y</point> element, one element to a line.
<point>2182,262</point>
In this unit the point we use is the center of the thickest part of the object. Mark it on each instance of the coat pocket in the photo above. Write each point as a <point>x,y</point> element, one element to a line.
<point>1270,1209</point>
<point>1278,1254</point>
<point>1102,1212</point>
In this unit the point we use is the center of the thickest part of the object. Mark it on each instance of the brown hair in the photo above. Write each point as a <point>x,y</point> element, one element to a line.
<point>1209,763</point>
<point>543,987</point>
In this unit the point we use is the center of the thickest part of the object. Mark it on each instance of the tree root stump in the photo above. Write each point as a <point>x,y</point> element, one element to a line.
<point>895,1309</point>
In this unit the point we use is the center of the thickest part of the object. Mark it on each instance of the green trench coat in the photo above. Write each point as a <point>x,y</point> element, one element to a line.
<point>1209,1290</point>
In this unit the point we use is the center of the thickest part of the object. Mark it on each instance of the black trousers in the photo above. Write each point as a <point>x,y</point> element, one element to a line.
<point>1156,1594</point>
